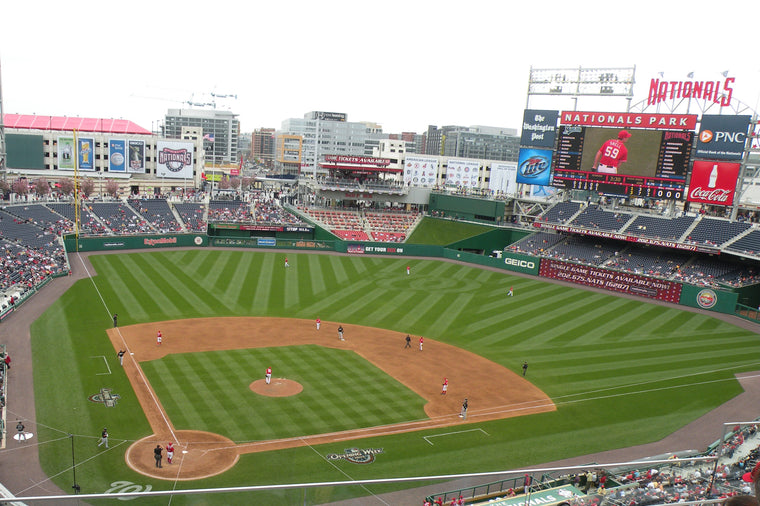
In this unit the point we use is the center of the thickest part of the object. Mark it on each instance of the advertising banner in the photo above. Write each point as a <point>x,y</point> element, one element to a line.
<point>539,128</point>
<point>461,172</point>
<point>420,171</point>
<point>713,182</point>
<point>630,120</point>
<point>117,155</point>
<point>86,153</point>
<point>503,178</point>
<point>521,263</point>
<point>174,159</point>
<point>136,156</point>
<point>607,279</point>
<point>708,298</point>
<point>534,166</point>
<point>66,153</point>
<point>722,137</point>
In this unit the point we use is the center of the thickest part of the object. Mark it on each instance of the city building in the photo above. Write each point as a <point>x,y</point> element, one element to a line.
<point>262,146</point>
<point>59,147</point>
<point>221,132</point>
<point>327,133</point>
<point>481,142</point>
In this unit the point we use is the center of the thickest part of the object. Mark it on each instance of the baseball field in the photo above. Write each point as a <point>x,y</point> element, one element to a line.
<point>604,372</point>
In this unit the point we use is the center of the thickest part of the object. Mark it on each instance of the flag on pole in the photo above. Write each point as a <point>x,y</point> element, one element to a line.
<point>208,137</point>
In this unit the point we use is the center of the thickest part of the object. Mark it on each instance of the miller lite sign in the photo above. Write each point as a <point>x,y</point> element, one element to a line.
<point>713,182</point>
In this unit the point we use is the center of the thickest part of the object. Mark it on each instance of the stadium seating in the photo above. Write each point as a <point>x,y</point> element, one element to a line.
<point>595,218</point>
<point>660,227</point>
<point>561,212</point>
<point>158,213</point>
<point>192,215</point>
<point>714,232</point>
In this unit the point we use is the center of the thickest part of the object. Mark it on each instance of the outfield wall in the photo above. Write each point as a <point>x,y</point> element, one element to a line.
<point>119,242</point>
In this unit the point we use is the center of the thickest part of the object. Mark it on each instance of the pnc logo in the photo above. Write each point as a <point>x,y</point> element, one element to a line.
<point>705,136</point>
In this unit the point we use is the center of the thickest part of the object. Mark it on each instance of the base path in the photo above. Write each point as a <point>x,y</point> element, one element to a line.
<point>493,391</point>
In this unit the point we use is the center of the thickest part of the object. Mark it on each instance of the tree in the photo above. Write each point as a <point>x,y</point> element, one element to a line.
<point>66,186</point>
<point>112,187</point>
<point>87,186</point>
<point>42,187</point>
<point>235,183</point>
<point>20,186</point>
<point>224,183</point>
<point>246,182</point>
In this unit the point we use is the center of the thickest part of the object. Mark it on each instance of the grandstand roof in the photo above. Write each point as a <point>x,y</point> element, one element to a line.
<point>103,125</point>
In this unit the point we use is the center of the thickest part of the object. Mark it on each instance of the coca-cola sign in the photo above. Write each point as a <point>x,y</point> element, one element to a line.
<point>713,182</point>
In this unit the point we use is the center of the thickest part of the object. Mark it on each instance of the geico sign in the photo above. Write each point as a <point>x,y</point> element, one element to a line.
<point>520,263</point>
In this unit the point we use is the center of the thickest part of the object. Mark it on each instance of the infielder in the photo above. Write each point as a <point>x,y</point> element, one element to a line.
<point>269,375</point>
<point>421,341</point>
<point>319,322</point>
<point>445,386</point>
<point>159,337</point>
<point>612,154</point>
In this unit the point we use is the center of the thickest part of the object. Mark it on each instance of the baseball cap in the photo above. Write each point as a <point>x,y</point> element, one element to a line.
<point>624,134</point>
<point>749,477</point>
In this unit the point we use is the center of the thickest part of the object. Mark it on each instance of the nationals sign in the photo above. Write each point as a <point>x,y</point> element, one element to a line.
<point>630,120</point>
<point>713,182</point>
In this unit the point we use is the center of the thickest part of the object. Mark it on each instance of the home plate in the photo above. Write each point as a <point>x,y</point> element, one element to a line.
<point>184,451</point>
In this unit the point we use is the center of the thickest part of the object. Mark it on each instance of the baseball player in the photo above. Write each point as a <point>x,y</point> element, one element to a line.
<point>525,368</point>
<point>319,322</point>
<point>269,375</point>
<point>421,341</point>
<point>159,337</point>
<point>511,292</point>
<point>286,262</point>
<point>104,437</point>
<point>408,270</point>
<point>612,154</point>
<point>169,452</point>
<point>340,333</point>
<point>463,414</point>
<point>445,386</point>
<point>121,357</point>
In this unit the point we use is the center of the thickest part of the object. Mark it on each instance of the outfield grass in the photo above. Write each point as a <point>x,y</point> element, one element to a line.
<point>622,371</point>
<point>440,232</point>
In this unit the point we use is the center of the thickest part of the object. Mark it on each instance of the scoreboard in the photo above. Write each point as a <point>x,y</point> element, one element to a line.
<point>658,154</point>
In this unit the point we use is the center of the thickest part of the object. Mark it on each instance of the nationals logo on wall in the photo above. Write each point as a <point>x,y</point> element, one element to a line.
<point>175,159</point>
<point>713,182</point>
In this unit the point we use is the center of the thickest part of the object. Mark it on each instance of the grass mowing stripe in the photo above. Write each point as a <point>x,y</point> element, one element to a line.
<point>337,268</point>
<point>239,277</point>
<point>290,283</point>
<point>171,385</point>
<point>132,301</point>
<point>164,297</point>
<point>448,319</point>
<point>317,265</point>
<point>195,295</point>
<point>211,268</point>
<point>613,312</point>
<point>336,300</point>
<point>264,285</point>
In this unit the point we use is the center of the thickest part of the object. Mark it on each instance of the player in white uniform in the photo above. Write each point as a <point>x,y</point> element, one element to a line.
<point>269,375</point>
<point>169,453</point>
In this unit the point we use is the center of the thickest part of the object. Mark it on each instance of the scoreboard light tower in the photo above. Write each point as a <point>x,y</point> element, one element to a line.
<point>574,83</point>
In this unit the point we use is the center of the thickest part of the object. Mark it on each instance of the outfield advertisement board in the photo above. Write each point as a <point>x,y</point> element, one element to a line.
<point>711,299</point>
<point>520,263</point>
<point>607,279</point>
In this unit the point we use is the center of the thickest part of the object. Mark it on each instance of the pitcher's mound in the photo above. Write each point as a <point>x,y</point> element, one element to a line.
<point>279,387</point>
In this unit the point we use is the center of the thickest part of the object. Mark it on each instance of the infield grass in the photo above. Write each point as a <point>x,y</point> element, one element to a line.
<point>622,372</point>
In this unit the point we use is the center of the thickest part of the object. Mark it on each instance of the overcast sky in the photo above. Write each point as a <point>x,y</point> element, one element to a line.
<point>402,64</point>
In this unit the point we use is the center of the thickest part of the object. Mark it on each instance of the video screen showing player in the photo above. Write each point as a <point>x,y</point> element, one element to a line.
<point>621,151</point>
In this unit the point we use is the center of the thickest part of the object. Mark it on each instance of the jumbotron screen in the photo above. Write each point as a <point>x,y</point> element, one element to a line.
<point>624,154</point>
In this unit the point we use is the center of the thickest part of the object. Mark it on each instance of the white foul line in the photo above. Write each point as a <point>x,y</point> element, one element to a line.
<point>107,366</point>
<point>427,438</point>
